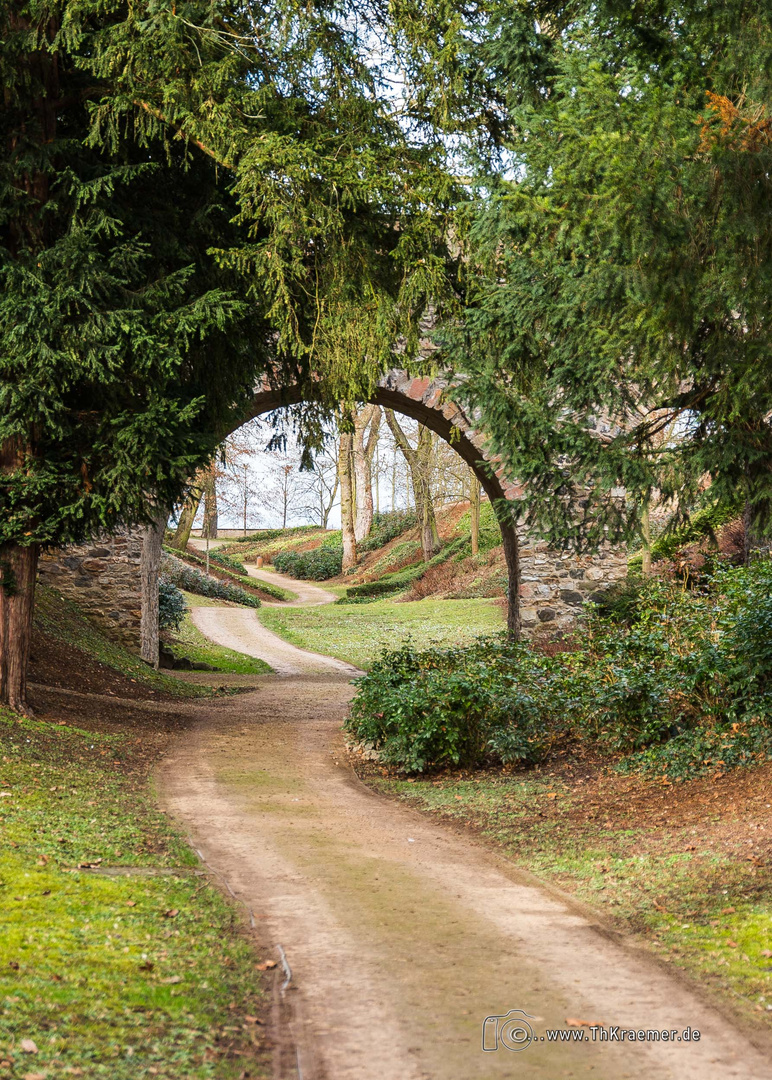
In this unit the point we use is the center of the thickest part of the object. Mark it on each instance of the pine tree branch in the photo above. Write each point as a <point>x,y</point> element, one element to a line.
<point>180,134</point>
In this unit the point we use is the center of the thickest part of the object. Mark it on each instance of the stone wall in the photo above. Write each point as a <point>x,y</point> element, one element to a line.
<point>554,584</point>
<point>103,577</point>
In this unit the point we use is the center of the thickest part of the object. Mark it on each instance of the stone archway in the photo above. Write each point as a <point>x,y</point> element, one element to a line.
<point>428,401</point>
<point>546,588</point>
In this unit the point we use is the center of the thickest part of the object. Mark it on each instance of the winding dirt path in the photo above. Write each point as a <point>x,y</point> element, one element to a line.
<point>402,934</point>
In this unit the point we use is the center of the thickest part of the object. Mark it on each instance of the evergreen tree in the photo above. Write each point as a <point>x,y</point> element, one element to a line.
<point>617,332</point>
<point>190,194</point>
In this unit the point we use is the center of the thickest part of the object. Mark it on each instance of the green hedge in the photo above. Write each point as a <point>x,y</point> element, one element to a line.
<point>192,580</point>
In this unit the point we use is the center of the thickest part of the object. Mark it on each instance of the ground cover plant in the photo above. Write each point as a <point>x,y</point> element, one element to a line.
<point>359,633</point>
<point>676,681</point>
<point>187,577</point>
<point>266,545</point>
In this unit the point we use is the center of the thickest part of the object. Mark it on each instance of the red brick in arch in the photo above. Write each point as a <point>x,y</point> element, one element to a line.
<point>430,402</point>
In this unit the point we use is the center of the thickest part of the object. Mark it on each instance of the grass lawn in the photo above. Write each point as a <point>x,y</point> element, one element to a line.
<point>673,865</point>
<point>358,632</point>
<point>190,642</point>
<point>145,972</point>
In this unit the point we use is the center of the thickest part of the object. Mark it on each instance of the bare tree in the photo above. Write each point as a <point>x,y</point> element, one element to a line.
<point>284,494</point>
<point>419,462</point>
<point>364,443</point>
<point>321,488</point>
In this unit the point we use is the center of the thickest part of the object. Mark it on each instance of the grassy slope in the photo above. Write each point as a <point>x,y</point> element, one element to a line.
<point>698,904</point>
<point>61,620</point>
<point>263,589</point>
<point>358,632</point>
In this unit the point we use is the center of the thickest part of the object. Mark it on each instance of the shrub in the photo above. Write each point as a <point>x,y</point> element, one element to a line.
<point>171,605</point>
<point>230,562</point>
<point>317,565</point>
<point>186,577</point>
<point>458,707</point>
<point>682,684</point>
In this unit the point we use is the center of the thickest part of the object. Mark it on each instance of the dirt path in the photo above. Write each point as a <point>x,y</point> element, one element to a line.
<point>308,595</point>
<point>403,935</point>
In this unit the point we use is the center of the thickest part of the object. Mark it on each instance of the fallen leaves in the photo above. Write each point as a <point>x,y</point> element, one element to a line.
<point>28,1046</point>
<point>172,913</point>
<point>266,965</point>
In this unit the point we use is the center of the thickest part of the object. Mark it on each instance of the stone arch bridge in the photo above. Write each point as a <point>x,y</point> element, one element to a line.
<point>546,587</point>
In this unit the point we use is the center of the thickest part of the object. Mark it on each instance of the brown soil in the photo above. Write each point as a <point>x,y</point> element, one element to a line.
<point>55,663</point>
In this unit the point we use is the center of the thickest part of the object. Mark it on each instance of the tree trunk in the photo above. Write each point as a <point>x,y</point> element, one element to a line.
<point>646,533</point>
<point>363,467</point>
<point>419,462</point>
<point>750,540</point>
<point>181,537</point>
<point>210,503</point>
<point>474,514</point>
<point>346,478</point>
<point>18,571</point>
<point>152,543</point>
<point>512,555</point>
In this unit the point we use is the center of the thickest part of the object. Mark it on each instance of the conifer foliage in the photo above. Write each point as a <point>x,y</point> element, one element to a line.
<point>191,194</point>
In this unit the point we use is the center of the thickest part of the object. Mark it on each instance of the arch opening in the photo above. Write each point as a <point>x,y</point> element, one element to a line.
<point>426,401</point>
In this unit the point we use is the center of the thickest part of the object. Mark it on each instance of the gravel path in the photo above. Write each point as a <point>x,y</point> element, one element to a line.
<point>403,934</point>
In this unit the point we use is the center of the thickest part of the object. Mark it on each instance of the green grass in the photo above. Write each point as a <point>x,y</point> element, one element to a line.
<point>358,632</point>
<point>110,976</point>
<point>190,642</point>
<point>62,619</point>
<point>696,907</point>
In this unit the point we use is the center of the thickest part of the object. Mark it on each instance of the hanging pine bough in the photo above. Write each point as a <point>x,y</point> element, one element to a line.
<point>188,199</point>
